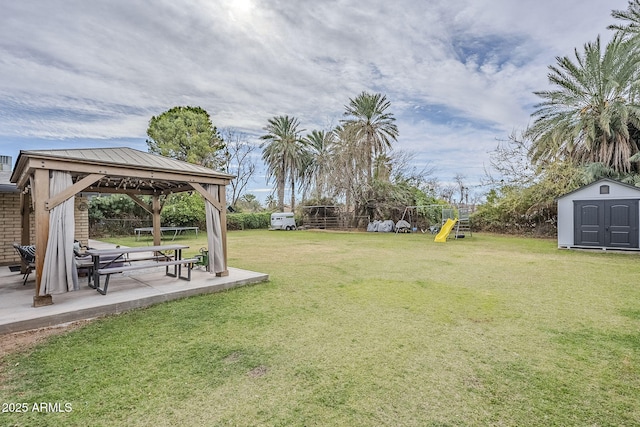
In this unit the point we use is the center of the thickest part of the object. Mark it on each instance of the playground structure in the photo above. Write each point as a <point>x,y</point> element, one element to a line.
<point>425,218</point>
<point>439,219</point>
<point>444,232</point>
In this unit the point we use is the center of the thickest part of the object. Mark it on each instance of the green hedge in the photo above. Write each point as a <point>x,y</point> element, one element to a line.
<point>246,221</point>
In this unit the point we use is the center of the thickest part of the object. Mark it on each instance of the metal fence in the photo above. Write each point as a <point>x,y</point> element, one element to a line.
<point>117,226</point>
<point>331,217</point>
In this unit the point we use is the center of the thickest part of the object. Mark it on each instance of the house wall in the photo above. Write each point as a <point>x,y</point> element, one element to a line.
<point>10,227</point>
<point>590,192</point>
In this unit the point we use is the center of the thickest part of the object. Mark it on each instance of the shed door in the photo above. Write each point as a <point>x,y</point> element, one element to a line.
<point>606,223</point>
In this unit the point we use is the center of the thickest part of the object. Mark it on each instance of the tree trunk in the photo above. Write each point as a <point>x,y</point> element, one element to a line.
<point>370,154</point>
<point>293,194</point>
<point>280,193</point>
<point>281,176</point>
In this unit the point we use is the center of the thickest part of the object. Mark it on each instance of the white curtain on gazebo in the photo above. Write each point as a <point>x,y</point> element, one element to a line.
<point>214,232</point>
<point>59,273</point>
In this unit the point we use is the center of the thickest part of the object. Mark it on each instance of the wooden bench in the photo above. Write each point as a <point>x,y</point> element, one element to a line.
<point>134,265</point>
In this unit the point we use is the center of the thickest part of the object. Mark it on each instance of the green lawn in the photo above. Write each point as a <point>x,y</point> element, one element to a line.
<point>361,329</point>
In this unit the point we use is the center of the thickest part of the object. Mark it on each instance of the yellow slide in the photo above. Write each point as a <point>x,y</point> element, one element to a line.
<point>441,237</point>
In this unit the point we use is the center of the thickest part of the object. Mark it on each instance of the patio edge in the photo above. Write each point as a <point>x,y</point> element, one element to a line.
<point>121,307</point>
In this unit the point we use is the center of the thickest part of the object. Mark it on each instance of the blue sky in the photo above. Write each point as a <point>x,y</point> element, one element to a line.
<point>459,73</point>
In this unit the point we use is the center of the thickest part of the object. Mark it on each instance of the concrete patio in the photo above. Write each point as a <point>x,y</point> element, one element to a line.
<point>127,291</point>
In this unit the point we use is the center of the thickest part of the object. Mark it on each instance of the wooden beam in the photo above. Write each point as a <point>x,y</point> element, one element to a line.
<point>163,201</point>
<point>72,191</point>
<point>25,220</point>
<point>23,179</point>
<point>204,193</point>
<point>155,202</point>
<point>25,235</point>
<point>179,189</point>
<point>40,193</point>
<point>139,192</point>
<point>113,190</point>
<point>141,203</point>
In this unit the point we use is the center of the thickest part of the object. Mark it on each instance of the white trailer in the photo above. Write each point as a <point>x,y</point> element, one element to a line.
<point>283,221</point>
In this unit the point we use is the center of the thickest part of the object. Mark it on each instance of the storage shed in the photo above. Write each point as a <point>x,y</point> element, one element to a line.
<point>603,214</point>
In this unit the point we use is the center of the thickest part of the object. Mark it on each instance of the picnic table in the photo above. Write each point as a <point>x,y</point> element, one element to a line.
<point>110,261</point>
<point>175,230</point>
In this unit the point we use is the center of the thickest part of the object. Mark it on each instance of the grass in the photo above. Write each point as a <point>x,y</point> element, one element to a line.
<point>362,330</point>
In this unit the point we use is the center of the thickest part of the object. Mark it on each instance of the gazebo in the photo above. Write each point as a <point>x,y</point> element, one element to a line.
<point>53,177</point>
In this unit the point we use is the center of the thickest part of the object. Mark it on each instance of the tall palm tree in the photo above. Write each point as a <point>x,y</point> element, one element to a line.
<point>591,115</point>
<point>283,154</point>
<point>348,163</point>
<point>374,126</point>
<point>320,161</point>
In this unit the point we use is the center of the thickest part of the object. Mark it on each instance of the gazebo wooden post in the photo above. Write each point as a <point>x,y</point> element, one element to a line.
<point>40,194</point>
<point>222,196</point>
<point>155,206</point>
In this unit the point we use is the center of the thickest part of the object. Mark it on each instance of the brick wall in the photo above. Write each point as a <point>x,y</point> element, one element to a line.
<point>81,213</point>
<point>10,231</point>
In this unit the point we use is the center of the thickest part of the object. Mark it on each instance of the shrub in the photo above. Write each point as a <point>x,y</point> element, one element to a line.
<point>514,211</point>
<point>115,215</point>
<point>246,221</point>
<point>118,215</point>
<point>184,210</point>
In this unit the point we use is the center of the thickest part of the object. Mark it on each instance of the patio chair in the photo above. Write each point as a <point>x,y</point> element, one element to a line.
<point>28,257</point>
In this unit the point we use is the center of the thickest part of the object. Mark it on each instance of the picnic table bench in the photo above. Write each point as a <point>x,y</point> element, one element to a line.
<point>117,258</point>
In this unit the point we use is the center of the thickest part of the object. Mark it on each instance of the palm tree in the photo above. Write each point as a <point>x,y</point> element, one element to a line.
<point>374,126</point>
<point>283,154</point>
<point>590,116</point>
<point>348,163</point>
<point>631,17</point>
<point>320,161</point>
<point>270,202</point>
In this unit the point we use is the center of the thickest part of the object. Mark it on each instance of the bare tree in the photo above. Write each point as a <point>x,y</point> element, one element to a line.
<point>446,192</point>
<point>239,161</point>
<point>431,186</point>
<point>405,168</point>
<point>510,163</point>
<point>459,179</point>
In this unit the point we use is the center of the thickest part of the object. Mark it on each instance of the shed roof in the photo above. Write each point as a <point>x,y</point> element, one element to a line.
<point>123,167</point>
<point>599,182</point>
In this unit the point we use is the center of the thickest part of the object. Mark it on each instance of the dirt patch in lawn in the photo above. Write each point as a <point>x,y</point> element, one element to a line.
<point>20,341</point>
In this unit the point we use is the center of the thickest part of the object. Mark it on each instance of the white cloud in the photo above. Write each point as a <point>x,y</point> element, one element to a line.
<point>459,73</point>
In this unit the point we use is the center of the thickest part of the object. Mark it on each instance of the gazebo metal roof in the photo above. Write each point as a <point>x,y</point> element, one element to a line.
<point>125,170</point>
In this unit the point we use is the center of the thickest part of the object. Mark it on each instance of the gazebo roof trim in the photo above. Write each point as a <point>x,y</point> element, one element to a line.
<point>118,156</point>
